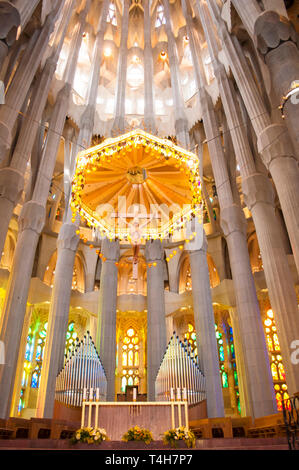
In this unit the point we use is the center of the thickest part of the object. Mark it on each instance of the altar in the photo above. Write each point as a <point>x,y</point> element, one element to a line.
<point>117,417</point>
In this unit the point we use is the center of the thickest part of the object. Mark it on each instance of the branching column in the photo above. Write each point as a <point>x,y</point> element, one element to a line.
<point>120,95</point>
<point>181,122</point>
<point>205,329</point>
<point>31,222</point>
<point>149,113</point>
<point>58,321</point>
<point>274,144</point>
<point>259,197</point>
<point>106,331</point>
<point>67,247</point>
<point>12,177</point>
<point>21,83</point>
<point>156,323</point>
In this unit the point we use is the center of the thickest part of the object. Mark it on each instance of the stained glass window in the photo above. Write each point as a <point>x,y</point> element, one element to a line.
<point>111,17</point>
<point>34,355</point>
<point>190,336</point>
<point>130,359</point>
<point>160,16</point>
<point>276,363</point>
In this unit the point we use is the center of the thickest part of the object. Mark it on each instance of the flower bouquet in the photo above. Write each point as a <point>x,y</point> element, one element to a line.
<point>179,434</point>
<point>138,434</point>
<point>89,436</point>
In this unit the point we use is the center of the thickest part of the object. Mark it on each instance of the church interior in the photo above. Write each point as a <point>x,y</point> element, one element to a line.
<point>149,216</point>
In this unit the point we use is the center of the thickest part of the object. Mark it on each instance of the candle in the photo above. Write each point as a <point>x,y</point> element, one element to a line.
<point>91,394</point>
<point>171,394</point>
<point>98,394</point>
<point>84,393</point>
<point>134,394</point>
<point>185,394</point>
<point>178,394</point>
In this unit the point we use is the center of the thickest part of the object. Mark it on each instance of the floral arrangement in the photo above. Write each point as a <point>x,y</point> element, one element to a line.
<point>138,434</point>
<point>179,434</point>
<point>90,436</point>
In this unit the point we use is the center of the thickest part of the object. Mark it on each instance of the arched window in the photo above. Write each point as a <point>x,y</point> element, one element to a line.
<point>111,17</point>
<point>130,359</point>
<point>34,355</point>
<point>276,363</point>
<point>160,19</point>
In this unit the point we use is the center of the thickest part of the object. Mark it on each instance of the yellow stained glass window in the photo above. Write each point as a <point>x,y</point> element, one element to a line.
<point>274,371</point>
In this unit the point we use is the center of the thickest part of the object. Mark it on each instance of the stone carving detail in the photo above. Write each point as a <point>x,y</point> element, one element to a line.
<point>271,30</point>
<point>9,23</point>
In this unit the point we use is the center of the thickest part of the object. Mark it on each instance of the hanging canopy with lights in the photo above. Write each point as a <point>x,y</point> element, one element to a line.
<point>136,187</point>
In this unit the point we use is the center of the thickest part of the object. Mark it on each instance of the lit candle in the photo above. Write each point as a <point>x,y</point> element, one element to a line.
<point>134,394</point>
<point>171,394</point>
<point>178,394</point>
<point>184,394</point>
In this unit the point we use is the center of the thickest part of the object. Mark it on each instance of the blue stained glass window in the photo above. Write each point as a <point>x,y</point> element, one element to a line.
<point>221,353</point>
<point>35,380</point>
<point>224,380</point>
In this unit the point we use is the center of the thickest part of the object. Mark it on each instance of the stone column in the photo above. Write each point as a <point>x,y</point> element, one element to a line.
<point>274,145</point>
<point>120,95</point>
<point>259,197</point>
<point>58,319</point>
<point>181,122</point>
<point>278,43</point>
<point>12,177</point>
<point>31,222</point>
<point>33,213</point>
<point>26,9</point>
<point>257,368</point>
<point>21,83</point>
<point>205,329</point>
<point>156,323</point>
<point>106,331</point>
<point>67,246</point>
<point>9,23</point>
<point>260,385</point>
<point>149,113</point>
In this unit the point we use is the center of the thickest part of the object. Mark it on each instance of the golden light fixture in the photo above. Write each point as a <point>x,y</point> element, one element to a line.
<point>143,171</point>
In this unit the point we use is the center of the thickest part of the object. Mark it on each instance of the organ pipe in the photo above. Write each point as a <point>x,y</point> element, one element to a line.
<point>179,369</point>
<point>82,370</point>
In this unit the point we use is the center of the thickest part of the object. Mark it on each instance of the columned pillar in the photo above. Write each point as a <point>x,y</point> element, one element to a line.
<point>276,150</point>
<point>33,213</point>
<point>21,83</point>
<point>120,95</point>
<point>31,222</point>
<point>58,319</point>
<point>257,369</point>
<point>278,44</point>
<point>9,23</point>
<point>259,381</point>
<point>149,113</point>
<point>156,323</point>
<point>12,177</point>
<point>259,197</point>
<point>205,330</point>
<point>181,122</point>
<point>67,247</point>
<point>106,331</point>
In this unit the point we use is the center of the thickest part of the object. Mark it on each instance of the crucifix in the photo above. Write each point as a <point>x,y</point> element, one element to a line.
<point>135,231</point>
